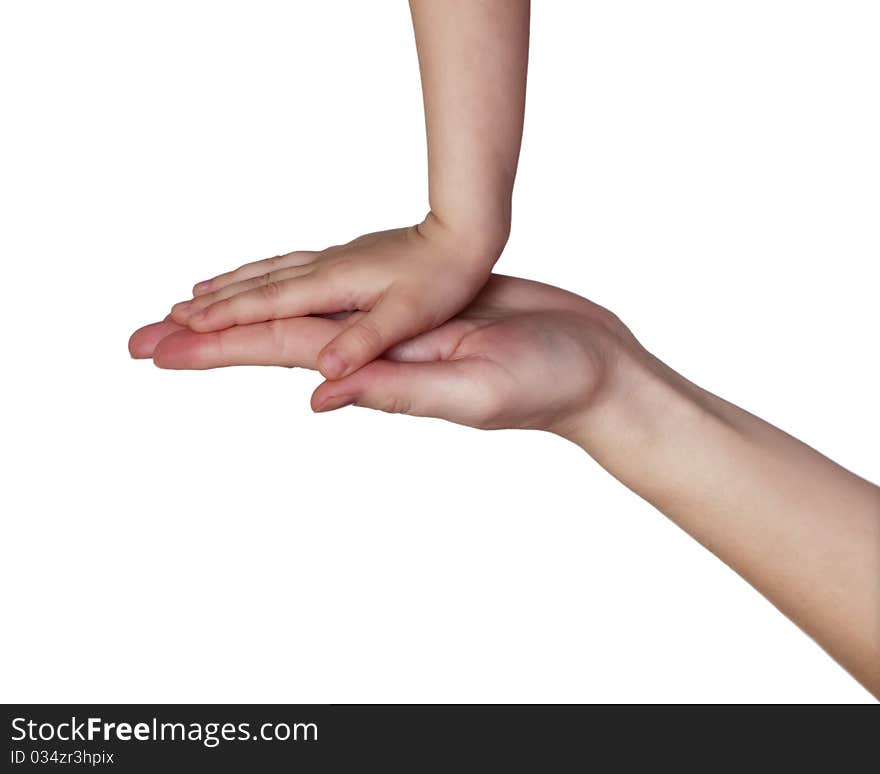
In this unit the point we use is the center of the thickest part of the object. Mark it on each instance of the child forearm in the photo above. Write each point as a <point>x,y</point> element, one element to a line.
<point>473,59</point>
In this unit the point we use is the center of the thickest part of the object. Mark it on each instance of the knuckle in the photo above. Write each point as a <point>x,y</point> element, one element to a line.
<point>365,335</point>
<point>213,312</point>
<point>401,405</point>
<point>335,249</point>
<point>276,334</point>
<point>271,290</point>
<point>275,328</point>
<point>394,404</point>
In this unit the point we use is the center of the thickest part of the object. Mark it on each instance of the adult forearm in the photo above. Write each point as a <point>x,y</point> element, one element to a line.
<point>801,529</point>
<point>473,59</point>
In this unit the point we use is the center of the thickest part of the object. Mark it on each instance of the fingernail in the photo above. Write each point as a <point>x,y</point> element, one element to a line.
<point>335,402</point>
<point>332,365</point>
<point>199,287</point>
<point>197,317</point>
<point>181,307</point>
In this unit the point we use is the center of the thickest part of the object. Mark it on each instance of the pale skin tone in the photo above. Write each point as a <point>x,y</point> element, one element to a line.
<point>801,529</point>
<point>404,321</point>
<point>472,58</point>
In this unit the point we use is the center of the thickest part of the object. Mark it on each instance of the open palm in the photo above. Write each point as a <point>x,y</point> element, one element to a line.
<point>523,354</point>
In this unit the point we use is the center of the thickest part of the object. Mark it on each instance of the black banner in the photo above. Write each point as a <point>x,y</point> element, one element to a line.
<point>136,738</point>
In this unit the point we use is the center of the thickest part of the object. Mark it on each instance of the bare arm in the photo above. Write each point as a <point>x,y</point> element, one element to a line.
<point>473,58</point>
<point>801,529</point>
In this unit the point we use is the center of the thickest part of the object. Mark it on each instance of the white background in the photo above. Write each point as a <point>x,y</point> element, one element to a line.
<point>707,170</point>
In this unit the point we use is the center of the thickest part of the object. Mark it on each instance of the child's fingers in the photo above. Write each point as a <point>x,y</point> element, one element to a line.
<point>395,317</point>
<point>292,342</point>
<point>311,294</point>
<point>254,269</point>
<point>182,311</point>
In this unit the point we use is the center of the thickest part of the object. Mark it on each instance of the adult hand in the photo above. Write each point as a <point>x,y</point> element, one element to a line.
<point>803,530</point>
<point>523,354</point>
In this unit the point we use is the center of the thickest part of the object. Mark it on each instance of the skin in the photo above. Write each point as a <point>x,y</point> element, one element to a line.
<point>516,354</point>
<point>801,529</point>
<point>473,59</point>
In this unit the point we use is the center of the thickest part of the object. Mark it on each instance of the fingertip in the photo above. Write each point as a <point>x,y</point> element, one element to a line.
<point>161,354</point>
<point>318,397</point>
<point>179,313</point>
<point>143,341</point>
<point>198,321</point>
<point>176,351</point>
<point>326,392</point>
<point>200,288</point>
<point>136,345</point>
<point>335,403</point>
<point>332,365</point>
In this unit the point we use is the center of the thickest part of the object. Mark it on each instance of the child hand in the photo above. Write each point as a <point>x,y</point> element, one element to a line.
<point>407,281</point>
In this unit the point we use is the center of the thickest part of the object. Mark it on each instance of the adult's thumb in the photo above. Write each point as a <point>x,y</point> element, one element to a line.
<point>436,389</point>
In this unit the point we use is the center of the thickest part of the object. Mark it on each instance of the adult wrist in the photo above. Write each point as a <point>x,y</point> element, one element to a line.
<point>659,434</point>
<point>641,406</point>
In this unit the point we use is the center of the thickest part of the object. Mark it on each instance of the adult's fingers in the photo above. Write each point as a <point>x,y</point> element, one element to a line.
<point>144,340</point>
<point>291,342</point>
<point>254,269</point>
<point>394,318</point>
<point>442,389</point>
<point>182,311</point>
<point>313,294</point>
